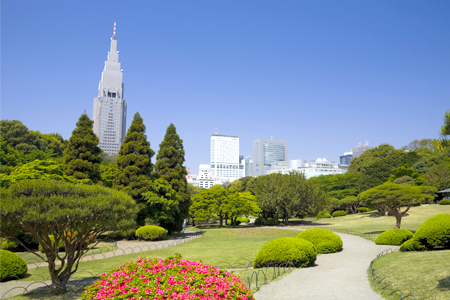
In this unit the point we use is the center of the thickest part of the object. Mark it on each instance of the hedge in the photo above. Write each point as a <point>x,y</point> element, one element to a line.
<point>339,213</point>
<point>266,222</point>
<point>363,209</point>
<point>444,202</point>
<point>286,250</point>
<point>434,232</point>
<point>412,245</point>
<point>324,240</point>
<point>151,232</point>
<point>323,215</point>
<point>9,245</point>
<point>394,237</point>
<point>11,266</point>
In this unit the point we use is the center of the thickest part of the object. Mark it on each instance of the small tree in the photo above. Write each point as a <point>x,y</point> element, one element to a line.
<point>395,196</point>
<point>75,214</point>
<point>351,203</point>
<point>237,204</point>
<point>208,202</point>
<point>169,166</point>
<point>134,165</point>
<point>82,155</point>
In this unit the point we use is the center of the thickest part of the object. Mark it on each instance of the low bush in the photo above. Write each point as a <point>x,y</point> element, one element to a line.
<point>170,278</point>
<point>394,237</point>
<point>12,266</point>
<point>444,202</point>
<point>150,233</point>
<point>123,234</point>
<point>244,220</point>
<point>412,245</point>
<point>52,239</point>
<point>266,222</point>
<point>235,223</point>
<point>324,240</point>
<point>287,250</point>
<point>363,209</point>
<point>434,232</point>
<point>323,215</point>
<point>9,245</point>
<point>339,213</point>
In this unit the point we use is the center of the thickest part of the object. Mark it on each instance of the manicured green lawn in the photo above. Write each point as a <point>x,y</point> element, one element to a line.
<point>426,275</point>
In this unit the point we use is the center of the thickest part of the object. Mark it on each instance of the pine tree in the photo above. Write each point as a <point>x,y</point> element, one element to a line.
<point>82,155</point>
<point>134,165</point>
<point>169,166</point>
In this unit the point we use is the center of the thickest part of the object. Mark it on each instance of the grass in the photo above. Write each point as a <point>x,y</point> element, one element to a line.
<point>426,275</point>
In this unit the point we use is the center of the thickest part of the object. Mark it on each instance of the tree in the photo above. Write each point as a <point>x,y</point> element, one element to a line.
<point>74,214</point>
<point>208,202</point>
<point>169,166</point>
<point>241,184</point>
<point>134,166</point>
<point>108,173</point>
<point>351,203</point>
<point>236,204</point>
<point>395,196</point>
<point>339,185</point>
<point>438,176</point>
<point>9,157</point>
<point>82,155</point>
<point>445,128</point>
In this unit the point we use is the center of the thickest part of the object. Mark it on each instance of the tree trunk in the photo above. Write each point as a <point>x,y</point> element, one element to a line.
<point>221,220</point>
<point>398,218</point>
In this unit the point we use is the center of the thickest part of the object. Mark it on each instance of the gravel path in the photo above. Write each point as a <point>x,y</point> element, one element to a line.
<point>335,276</point>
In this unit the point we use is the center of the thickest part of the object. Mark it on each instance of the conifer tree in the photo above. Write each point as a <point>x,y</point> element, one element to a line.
<point>169,166</point>
<point>82,155</point>
<point>134,165</point>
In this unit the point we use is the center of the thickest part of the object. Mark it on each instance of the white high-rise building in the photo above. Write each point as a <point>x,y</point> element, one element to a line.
<point>110,109</point>
<point>204,177</point>
<point>224,157</point>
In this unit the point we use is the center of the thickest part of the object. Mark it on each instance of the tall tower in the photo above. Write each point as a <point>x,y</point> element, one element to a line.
<point>266,153</point>
<point>110,109</point>
<point>224,157</point>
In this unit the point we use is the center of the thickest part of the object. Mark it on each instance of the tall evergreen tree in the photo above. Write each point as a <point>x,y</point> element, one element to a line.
<point>134,165</point>
<point>82,155</point>
<point>169,166</point>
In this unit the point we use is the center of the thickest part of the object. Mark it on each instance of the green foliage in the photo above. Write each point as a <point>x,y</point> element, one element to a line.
<point>412,245</point>
<point>408,174</point>
<point>444,202</point>
<point>208,202</point>
<point>9,245</point>
<point>82,155</point>
<point>324,240</point>
<point>394,237</point>
<point>52,241</point>
<point>445,129</point>
<point>11,266</point>
<point>438,176</point>
<point>151,233</point>
<point>236,223</point>
<point>134,165</point>
<point>108,174</point>
<point>242,184</point>
<point>235,204</point>
<point>435,232</point>
<point>243,220</point>
<point>323,215</point>
<point>169,166</point>
<point>351,203</point>
<point>363,209</point>
<point>266,222</point>
<point>339,213</point>
<point>288,250</point>
<point>9,157</point>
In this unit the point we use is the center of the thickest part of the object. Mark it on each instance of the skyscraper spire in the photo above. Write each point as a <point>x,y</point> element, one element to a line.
<point>114,32</point>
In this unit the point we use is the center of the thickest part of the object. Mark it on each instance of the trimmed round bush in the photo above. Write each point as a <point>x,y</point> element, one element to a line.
<point>9,245</point>
<point>244,220</point>
<point>235,223</point>
<point>444,202</point>
<point>151,232</point>
<point>12,266</point>
<point>434,232</point>
<point>324,240</point>
<point>170,278</point>
<point>412,245</point>
<point>339,213</point>
<point>394,237</point>
<point>294,251</point>
<point>323,215</point>
<point>363,209</point>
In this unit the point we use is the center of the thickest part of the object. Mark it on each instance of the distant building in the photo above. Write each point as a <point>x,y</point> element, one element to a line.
<point>311,169</point>
<point>346,158</point>
<point>248,162</point>
<point>224,157</point>
<point>241,166</point>
<point>266,152</point>
<point>357,151</point>
<point>204,178</point>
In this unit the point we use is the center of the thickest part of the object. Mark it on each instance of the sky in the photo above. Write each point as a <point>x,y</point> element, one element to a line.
<point>322,75</point>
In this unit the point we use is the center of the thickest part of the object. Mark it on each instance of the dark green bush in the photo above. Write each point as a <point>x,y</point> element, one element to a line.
<point>394,237</point>
<point>151,232</point>
<point>9,245</point>
<point>297,252</point>
<point>266,222</point>
<point>52,239</point>
<point>412,245</point>
<point>123,234</point>
<point>363,209</point>
<point>434,232</point>
<point>444,202</point>
<point>324,240</point>
<point>12,266</point>
<point>235,223</point>
<point>339,213</point>
<point>323,215</point>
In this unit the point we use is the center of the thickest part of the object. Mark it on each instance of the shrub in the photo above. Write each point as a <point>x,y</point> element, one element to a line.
<point>363,209</point>
<point>9,245</point>
<point>412,245</point>
<point>170,278</point>
<point>294,251</point>
<point>324,240</point>
<point>52,239</point>
<point>235,223</point>
<point>151,232</point>
<point>394,237</point>
<point>244,220</point>
<point>11,266</point>
<point>435,232</point>
<point>323,215</point>
<point>444,202</point>
<point>339,213</point>
<point>266,222</point>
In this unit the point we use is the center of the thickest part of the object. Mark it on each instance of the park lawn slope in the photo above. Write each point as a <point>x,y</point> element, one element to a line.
<point>424,274</point>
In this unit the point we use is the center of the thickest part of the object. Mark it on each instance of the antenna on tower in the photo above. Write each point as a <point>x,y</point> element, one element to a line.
<point>114,33</point>
<point>215,131</point>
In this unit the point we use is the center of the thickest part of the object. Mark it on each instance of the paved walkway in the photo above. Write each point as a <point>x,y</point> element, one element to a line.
<point>335,276</point>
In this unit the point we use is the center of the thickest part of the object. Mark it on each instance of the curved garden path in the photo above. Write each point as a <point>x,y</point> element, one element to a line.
<point>335,276</point>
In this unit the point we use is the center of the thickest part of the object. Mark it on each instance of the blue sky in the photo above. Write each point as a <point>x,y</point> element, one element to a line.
<point>323,75</point>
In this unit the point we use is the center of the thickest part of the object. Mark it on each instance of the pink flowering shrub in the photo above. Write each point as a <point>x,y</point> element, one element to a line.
<point>169,278</point>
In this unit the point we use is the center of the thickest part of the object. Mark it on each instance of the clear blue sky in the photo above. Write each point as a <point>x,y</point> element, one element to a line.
<point>322,75</point>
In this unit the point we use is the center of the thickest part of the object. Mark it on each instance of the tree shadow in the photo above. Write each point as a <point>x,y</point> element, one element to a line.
<point>374,232</point>
<point>306,223</point>
<point>444,284</point>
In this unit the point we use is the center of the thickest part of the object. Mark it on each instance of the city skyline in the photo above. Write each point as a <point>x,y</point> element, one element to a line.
<point>321,76</point>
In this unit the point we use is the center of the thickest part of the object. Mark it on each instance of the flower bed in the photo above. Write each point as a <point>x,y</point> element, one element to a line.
<point>170,278</point>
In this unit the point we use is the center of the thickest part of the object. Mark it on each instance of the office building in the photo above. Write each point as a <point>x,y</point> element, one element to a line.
<point>357,151</point>
<point>248,162</point>
<point>204,177</point>
<point>346,158</point>
<point>224,157</point>
<point>266,152</point>
<point>110,108</point>
<point>321,166</point>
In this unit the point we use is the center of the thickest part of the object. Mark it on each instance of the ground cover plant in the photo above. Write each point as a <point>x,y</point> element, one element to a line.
<point>394,237</point>
<point>324,240</point>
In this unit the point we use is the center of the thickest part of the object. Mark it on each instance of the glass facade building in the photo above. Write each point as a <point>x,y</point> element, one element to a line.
<point>266,153</point>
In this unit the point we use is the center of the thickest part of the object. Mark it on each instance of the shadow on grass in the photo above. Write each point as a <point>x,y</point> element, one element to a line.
<point>374,232</point>
<point>306,223</point>
<point>444,284</point>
